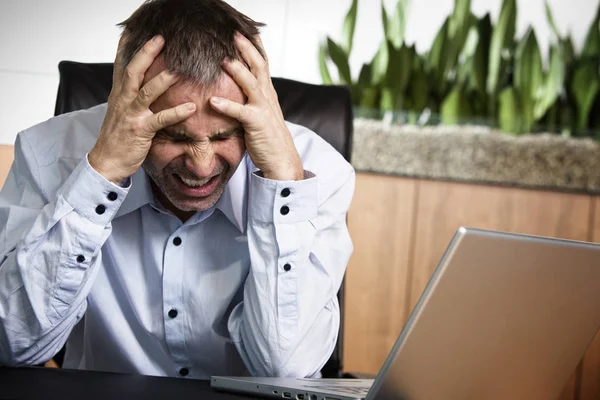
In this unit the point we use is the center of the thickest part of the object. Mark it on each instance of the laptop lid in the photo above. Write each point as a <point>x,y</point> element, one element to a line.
<point>504,316</point>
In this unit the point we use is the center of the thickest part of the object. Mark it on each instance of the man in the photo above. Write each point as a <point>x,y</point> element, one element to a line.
<point>183,228</point>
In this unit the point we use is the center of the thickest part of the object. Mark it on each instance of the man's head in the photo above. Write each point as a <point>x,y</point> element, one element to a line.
<point>190,163</point>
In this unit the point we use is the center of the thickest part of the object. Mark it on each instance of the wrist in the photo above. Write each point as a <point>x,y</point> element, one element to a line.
<point>285,173</point>
<point>106,169</point>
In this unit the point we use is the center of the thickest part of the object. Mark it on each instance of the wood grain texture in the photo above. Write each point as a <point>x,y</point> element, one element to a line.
<point>380,223</point>
<point>6,159</point>
<point>590,375</point>
<point>443,207</point>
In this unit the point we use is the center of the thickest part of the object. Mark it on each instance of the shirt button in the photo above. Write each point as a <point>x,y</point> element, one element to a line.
<point>112,196</point>
<point>80,258</point>
<point>285,192</point>
<point>100,209</point>
<point>285,210</point>
<point>177,241</point>
<point>173,313</point>
<point>287,267</point>
<point>184,372</point>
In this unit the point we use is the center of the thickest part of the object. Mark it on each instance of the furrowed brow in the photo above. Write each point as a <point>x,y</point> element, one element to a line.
<point>237,131</point>
<point>175,135</point>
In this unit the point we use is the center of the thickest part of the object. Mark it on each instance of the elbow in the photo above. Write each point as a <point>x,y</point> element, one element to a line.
<point>23,356</point>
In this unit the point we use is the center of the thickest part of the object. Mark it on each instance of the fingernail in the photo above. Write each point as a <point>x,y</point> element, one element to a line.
<point>190,106</point>
<point>157,40</point>
<point>215,100</point>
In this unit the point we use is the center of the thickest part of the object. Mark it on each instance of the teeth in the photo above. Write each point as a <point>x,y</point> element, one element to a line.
<point>193,182</point>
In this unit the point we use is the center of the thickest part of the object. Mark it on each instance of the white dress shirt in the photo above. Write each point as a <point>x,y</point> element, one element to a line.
<point>242,288</point>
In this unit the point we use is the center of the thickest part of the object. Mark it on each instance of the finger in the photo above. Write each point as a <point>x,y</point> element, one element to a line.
<point>258,65</point>
<point>153,89</point>
<point>261,47</point>
<point>119,61</point>
<point>244,78</point>
<point>231,109</point>
<point>133,75</point>
<point>170,116</point>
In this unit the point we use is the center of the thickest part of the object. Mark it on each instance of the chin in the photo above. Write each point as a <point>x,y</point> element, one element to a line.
<point>195,205</point>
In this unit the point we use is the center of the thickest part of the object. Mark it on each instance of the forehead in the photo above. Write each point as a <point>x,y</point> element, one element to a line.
<point>205,120</point>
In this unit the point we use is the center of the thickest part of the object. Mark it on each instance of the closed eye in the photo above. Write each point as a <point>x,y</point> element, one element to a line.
<point>174,137</point>
<point>234,133</point>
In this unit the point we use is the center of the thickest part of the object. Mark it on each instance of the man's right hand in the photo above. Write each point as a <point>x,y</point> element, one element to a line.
<point>129,125</point>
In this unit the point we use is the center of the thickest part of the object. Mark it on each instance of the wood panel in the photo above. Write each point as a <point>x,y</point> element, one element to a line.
<point>380,222</point>
<point>6,159</point>
<point>443,207</point>
<point>590,376</point>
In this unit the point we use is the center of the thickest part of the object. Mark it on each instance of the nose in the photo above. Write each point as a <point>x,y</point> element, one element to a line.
<point>200,160</point>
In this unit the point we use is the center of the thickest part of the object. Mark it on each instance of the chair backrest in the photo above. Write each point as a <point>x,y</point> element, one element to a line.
<point>326,110</point>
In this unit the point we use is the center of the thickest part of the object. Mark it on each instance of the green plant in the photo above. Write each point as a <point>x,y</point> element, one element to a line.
<point>476,70</point>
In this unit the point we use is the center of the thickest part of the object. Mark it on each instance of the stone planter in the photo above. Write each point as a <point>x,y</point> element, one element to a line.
<point>478,155</point>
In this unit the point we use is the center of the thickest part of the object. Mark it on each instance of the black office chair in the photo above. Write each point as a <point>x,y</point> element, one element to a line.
<point>326,110</point>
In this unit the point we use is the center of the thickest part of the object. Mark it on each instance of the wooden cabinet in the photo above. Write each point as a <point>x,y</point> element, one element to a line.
<point>6,159</point>
<point>388,272</point>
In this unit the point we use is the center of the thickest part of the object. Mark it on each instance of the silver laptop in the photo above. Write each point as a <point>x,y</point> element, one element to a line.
<point>504,316</point>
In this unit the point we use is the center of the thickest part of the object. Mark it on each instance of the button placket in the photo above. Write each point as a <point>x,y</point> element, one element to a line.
<point>172,283</point>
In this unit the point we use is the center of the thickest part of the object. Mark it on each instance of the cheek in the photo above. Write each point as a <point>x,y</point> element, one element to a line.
<point>161,154</point>
<point>232,151</point>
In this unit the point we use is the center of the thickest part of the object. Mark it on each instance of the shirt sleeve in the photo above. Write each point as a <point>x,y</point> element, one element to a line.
<point>288,322</point>
<point>49,254</point>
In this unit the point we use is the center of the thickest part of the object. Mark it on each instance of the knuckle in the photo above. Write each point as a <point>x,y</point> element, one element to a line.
<point>255,85</point>
<point>145,94</point>
<point>129,72</point>
<point>161,119</point>
<point>242,113</point>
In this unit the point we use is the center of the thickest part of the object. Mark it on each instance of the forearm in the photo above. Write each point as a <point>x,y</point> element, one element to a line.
<point>289,320</point>
<point>48,260</point>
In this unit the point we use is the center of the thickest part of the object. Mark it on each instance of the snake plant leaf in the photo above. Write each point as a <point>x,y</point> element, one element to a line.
<point>567,49</point>
<point>325,75</point>
<point>481,57</point>
<point>551,20</point>
<point>340,59</point>
<point>528,76</point>
<point>418,90</point>
<point>553,84</point>
<point>349,26</point>
<point>508,113</point>
<point>585,88</point>
<point>396,29</point>
<point>369,97</point>
<point>380,63</point>
<point>591,45</point>
<point>365,77</point>
<point>460,23</point>
<point>439,60</point>
<point>399,70</point>
<point>384,20</point>
<point>436,54</point>
<point>363,83</point>
<point>388,99</point>
<point>455,107</point>
<point>502,39</point>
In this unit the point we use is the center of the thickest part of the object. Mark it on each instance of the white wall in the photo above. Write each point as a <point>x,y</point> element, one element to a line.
<point>36,34</point>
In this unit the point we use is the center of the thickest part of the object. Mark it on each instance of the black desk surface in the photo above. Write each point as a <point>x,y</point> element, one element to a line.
<point>51,383</point>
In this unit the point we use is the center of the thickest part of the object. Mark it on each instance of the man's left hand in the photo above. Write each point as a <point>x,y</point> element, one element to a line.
<point>268,140</point>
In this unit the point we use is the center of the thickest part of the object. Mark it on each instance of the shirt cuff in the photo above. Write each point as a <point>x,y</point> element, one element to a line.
<point>283,202</point>
<point>92,195</point>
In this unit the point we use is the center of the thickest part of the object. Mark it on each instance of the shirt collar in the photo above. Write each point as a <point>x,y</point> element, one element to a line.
<point>233,203</point>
